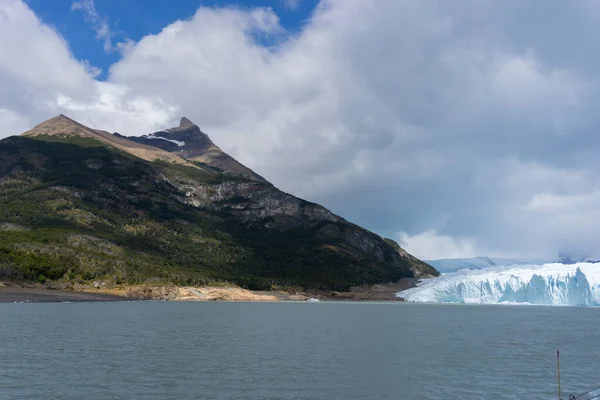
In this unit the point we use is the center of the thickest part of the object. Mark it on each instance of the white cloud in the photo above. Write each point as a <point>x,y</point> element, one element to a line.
<point>394,115</point>
<point>291,4</point>
<point>91,70</point>
<point>47,80</point>
<point>430,245</point>
<point>573,204</point>
<point>125,46</point>
<point>114,108</point>
<point>10,121</point>
<point>99,23</point>
<point>35,66</point>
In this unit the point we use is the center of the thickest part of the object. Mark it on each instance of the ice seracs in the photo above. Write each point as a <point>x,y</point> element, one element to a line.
<point>548,284</point>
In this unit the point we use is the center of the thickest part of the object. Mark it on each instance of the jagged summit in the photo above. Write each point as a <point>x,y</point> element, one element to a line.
<point>184,123</point>
<point>186,130</point>
<point>191,143</point>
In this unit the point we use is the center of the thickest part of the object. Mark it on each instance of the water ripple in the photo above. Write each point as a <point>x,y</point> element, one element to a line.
<point>293,351</point>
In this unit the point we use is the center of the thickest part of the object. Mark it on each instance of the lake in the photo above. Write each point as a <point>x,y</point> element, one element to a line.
<point>198,350</point>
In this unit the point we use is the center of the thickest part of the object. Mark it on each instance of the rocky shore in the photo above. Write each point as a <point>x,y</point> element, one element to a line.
<point>23,293</point>
<point>97,291</point>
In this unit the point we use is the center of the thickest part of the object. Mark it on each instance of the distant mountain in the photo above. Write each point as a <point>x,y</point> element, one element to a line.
<point>78,204</point>
<point>568,259</point>
<point>455,264</point>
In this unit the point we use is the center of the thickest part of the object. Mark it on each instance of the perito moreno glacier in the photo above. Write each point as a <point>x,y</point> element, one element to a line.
<point>547,284</point>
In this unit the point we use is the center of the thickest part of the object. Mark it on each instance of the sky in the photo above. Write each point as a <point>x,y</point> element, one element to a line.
<point>458,128</point>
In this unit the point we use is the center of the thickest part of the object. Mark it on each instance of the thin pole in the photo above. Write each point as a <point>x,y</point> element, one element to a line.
<point>558,364</point>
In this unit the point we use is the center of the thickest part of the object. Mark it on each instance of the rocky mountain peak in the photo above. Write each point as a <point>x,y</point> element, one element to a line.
<point>189,142</point>
<point>187,131</point>
<point>59,125</point>
<point>185,123</point>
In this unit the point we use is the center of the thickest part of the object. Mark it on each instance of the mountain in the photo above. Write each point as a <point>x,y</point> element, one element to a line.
<point>79,204</point>
<point>567,258</point>
<point>454,264</point>
<point>447,265</point>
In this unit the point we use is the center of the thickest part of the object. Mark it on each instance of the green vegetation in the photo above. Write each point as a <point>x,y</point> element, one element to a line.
<point>76,210</point>
<point>72,139</point>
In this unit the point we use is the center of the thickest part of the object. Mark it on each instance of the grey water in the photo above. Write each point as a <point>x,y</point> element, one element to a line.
<point>196,350</point>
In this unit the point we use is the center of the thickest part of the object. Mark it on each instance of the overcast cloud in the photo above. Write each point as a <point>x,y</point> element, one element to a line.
<point>459,128</point>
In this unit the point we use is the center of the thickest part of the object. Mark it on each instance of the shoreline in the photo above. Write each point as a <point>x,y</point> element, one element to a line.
<point>23,292</point>
<point>11,294</point>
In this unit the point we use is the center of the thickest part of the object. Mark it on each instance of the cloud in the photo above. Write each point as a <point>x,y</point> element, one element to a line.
<point>35,65</point>
<point>45,80</point>
<point>431,246</point>
<point>91,70</point>
<point>397,116</point>
<point>98,22</point>
<point>291,4</point>
<point>101,26</point>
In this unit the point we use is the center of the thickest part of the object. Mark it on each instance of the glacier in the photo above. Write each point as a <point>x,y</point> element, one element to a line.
<point>547,284</point>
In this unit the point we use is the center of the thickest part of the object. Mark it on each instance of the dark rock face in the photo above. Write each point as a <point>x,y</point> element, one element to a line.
<point>189,142</point>
<point>257,204</point>
<point>184,123</point>
<point>193,141</point>
<point>155,142</point>
<point>187,139</point>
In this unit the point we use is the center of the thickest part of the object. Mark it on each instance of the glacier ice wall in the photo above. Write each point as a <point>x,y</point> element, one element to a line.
<point>548,284</point>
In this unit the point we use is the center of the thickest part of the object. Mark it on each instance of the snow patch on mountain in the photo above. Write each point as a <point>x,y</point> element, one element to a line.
<point>548,284</point>
<point>177,142</point>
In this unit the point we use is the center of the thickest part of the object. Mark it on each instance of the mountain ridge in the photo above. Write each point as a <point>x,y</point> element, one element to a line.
<point>75,205</point>
<point>63,126</point>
